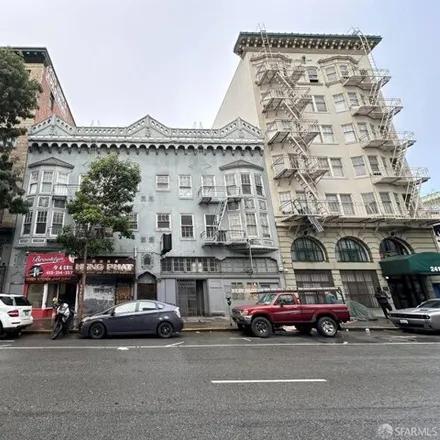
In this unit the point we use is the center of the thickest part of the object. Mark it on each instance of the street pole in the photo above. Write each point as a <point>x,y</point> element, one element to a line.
<point>83,284</point>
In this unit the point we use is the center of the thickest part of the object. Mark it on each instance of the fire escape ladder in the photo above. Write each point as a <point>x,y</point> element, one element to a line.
<point>297,147</point>
<point>399,154</point>
<point>219,214</point>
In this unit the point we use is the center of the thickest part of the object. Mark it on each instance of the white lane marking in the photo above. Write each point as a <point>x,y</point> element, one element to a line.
<point>175,344</point>
<point>241,339</point>
<point>269,381</point>
<point>123,348</point>
<point>114,347</point>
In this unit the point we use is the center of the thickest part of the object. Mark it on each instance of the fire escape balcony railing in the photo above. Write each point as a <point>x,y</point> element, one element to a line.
<point>266,71</point>
<point>388,141</point>
<point>403,177</point>
<point>289,164</point>
<point>296,98</point>
<point>64,191</point>
<point>280,129</point>
<point>366,78</point>
<point>378,110</point>
<point>215,194</point>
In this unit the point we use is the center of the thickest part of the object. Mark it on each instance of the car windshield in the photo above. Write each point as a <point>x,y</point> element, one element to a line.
<point>430,304</point>
<point>267,299</point>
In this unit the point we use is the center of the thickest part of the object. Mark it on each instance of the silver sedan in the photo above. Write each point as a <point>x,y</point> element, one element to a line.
<point>425,316</point>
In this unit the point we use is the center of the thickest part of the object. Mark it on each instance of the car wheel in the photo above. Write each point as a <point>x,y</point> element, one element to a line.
<point>165,330</point>
<point>241,327</point>
<point>261,327</point>
<point>304,329</point>
<point>97,330</point>
<point>327,327</point>
<point>1,329</point>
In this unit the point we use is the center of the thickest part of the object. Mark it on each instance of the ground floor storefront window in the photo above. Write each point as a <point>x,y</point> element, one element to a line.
<point>312,279</point>
<point>360,286</point>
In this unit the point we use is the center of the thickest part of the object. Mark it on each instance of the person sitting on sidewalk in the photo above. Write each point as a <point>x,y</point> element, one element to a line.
<point>382,299</point>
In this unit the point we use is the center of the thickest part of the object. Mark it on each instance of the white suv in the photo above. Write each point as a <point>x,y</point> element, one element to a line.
<point>15,314</point>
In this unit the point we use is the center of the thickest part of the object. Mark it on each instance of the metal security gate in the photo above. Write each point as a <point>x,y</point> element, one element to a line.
<point>190,298</point>
<point>360,286</point>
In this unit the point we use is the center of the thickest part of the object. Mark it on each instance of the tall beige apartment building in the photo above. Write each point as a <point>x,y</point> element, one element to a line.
<point>346,201</point>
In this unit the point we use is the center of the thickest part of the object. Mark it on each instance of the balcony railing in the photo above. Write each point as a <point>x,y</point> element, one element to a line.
<point>389,141</point>
<point>266,71</point>
<point>280,129</point>
<point>229,237</point>
<point>215,194</point>
<point>287,165</point>
<point>378,110</point>
<point>295,99</point>
<point>402,177</point>
<point>366,78</point>
<point>64,190</point>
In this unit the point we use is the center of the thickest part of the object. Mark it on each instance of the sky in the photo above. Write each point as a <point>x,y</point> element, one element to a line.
<point>118,61</point>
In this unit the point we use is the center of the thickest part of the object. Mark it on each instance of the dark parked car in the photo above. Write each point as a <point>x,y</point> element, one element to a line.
<point>141,317</point>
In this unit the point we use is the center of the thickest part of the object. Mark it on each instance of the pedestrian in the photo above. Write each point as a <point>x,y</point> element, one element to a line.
<point>382,299</point>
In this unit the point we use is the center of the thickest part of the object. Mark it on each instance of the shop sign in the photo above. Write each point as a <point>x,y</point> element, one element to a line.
<point>106,266</point>
<point>43,268</point>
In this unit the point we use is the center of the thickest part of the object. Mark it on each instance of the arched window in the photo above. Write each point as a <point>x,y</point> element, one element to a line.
<point>350,250</point>
<point>389,247</point>
<point>307,249</point>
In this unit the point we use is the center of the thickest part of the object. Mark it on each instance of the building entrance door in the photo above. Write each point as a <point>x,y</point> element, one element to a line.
<point>190,297</point>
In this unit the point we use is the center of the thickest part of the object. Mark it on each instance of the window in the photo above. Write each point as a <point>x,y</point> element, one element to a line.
<point>234,220</point>
<point>62,178</point>
<point>331,74</point>
<point>187,226</point>
<point>374,165</point>
<point>145,306</point>
<point>337,170</point>
<point>397,199</point>
<point>262,204</point>
<point>162,182</point>
<point>353,99</point>
<point>27,223</point>
<point>46,184</point>
<point>43,202</point>
<point>308,250</point>
<point>326,135</point>
<point>386,203</point>
<point>246,187</point>
<point>312,75</point>
<point>163,221</point>
<point>249,204</point>
<point>359,166</point>
<point>349,133</point>
<point>339,102</point>
<point>41,223</point>
<point>251,224</point>
<point>349,250</point>
<point>57,223</point>
<point>360,286</point>
<point>231,184</point>
<point>233,206</point>
<point>285,201</point>
<point>33,183</point>
<point>134,222</point>
<point>125,308</point>
<point>208,184</point>
<point>209,225</point>
<point>343,68</point>
<point>59,203</point>
<point>185,187</point>
<point>332,203</point>
<point>318,103</point>
<point>323,164</point>
<point>259,185</point>
<point>264,225</point>
<point>364,134</point>
<point>370,203</point>
<point>346,204</point>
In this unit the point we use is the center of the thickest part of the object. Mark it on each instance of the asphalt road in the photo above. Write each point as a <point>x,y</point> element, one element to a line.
<point>184,388</point>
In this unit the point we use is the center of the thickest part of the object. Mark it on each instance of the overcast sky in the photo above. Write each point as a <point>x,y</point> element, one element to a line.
<point>120,60</point>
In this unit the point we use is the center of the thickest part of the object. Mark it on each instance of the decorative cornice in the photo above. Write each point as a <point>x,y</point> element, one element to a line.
<point>338,58</point>
<point>240,164</point>
<point>253,41</point>
<point>51,161</point>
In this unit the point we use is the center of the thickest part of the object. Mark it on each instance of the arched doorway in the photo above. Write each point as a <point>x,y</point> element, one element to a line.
<point>147,286</point>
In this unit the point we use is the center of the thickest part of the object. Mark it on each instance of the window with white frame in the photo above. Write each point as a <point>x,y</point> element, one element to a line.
<point>364,134</point>
<point>264,221</point>
<point>162,182</point>
<point>331,74</point>
<point>246,187</point>
<point>386,202</point>
<point>62,178</point>
<point>285,198</point>
<point>231,184</point>
<point>312,75</point>
<point>359,166</point>
<point>353,100</point>
<point>318,103</point>
<point>234,220</point>
<point>324,165</point>
<point>208,184</point>
<point>187,226</point>
<point>134,221</point>
<point>47,182</point>
<point>398,201</point>
<point>43,202</point>
<point>345,72</point>
<point>259,190</point>
<point>27,223</point>
<point>57,222</point>
<point>163,221</point>
<point>33,183</point>
<point>346,204</point>
<point>262,204</point>
<point>251,224</point>
<point>209,225</point>
<point>349,133</point>
<point>332,203</point>
<point>233,205</point>
<point>336,167</point>
<point>325,135</point>
<point>61,185</point>
<point>339,102</point>
<point>61,204</point>
<point>185,187</point>
<point>370,203</point>
<point>374,165</point>
<point>41,223</point>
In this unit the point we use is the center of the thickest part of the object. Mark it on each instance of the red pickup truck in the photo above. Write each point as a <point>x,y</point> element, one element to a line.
<point>278,309</point>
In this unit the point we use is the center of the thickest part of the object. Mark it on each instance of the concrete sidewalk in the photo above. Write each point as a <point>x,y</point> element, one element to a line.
<point>211,324</point>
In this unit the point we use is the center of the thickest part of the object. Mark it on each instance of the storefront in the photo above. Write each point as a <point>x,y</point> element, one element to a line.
<point>49,276</point>
<point>411,278</point>
<point>109,281</point>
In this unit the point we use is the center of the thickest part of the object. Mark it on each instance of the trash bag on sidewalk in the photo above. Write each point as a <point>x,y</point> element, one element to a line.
<point>360,312</point>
